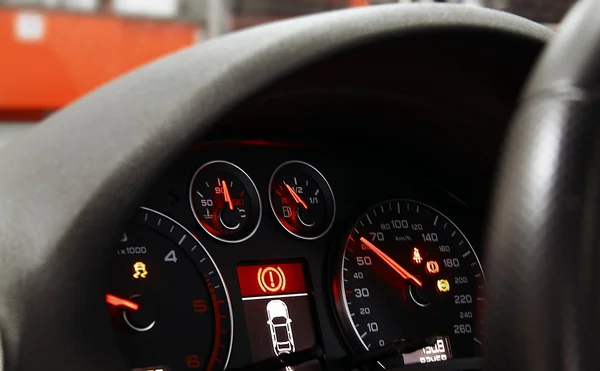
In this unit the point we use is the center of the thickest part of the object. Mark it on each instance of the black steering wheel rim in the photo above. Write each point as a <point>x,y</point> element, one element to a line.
<point>543,238</point>
<point>67,185</point>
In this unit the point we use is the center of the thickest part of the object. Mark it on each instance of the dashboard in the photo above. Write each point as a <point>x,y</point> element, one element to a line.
<point>180,183</point>
<point>245,251</point>
<point>276,244</point>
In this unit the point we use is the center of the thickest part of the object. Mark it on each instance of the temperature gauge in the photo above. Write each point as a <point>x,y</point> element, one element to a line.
<point>225,201</point>
<point>302,200</point>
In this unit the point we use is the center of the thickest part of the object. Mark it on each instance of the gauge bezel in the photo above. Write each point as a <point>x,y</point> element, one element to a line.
<point>248,184</point>
<point>323,184</point>
<point>342,313</point>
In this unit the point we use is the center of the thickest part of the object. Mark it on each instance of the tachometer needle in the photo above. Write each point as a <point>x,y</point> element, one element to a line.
<point>296,197</point>
<point>226,194</point>
<point>395,266</point>
<point>119,302</point>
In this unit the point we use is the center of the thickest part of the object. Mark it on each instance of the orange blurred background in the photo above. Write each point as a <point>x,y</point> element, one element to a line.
<point>44,69</point>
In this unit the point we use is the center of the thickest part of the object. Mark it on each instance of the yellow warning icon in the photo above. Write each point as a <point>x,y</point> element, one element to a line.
<point>443,285</point>
<point>139,270</point>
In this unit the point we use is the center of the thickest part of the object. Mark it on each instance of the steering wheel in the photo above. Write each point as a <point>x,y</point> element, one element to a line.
<point>68,184</point>
<point>543,237</point>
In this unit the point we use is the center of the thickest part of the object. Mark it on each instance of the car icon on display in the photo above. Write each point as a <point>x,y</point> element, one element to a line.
<point>280,324</point>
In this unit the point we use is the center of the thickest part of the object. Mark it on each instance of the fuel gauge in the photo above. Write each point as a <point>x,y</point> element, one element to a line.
<point>301,200</point>
<point>225,201</point>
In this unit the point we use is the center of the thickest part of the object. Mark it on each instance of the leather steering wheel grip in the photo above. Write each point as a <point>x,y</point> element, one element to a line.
<point>543,247</point>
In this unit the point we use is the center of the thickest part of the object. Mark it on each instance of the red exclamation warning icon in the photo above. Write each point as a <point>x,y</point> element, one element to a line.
<point>271,279</point>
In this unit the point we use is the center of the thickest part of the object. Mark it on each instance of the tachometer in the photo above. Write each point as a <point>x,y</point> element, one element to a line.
<point>406,272</point>
<point>167,299</point>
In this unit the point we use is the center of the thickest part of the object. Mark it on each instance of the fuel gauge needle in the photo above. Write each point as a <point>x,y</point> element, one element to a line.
<point>119,302</point>
<point>296,197</point>
<point>226,195</point>
<point>389,261</point>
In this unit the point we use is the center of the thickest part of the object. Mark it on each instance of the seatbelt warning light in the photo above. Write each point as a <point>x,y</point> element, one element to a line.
<point>416,256</point>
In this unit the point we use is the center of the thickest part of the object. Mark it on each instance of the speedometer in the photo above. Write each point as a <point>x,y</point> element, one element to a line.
<point>408,272</point>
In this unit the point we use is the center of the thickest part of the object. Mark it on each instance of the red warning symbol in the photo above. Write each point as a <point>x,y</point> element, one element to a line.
<point>271,279</point>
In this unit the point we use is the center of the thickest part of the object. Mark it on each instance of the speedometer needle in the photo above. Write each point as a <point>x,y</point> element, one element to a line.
<point>296,197</point>
<point>395,266</point>
<point>226,195</point>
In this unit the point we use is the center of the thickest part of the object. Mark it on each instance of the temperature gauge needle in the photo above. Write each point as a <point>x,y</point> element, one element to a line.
<point>119,302</point>
<point>226,195</point>
<point>395,266</point>
<point>296,197</point>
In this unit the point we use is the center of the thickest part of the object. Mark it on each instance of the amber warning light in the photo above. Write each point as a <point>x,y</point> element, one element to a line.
<point>271,279</point>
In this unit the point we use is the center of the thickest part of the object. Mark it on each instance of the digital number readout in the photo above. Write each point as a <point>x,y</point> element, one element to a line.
<point>436,353</point>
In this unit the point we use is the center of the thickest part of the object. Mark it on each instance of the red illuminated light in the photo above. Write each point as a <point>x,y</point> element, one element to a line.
<point>433,267</point>
<point>271,279</point>
<point>416,256</point>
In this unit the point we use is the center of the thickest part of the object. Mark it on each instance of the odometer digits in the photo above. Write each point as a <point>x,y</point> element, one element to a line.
<point>408,272</point>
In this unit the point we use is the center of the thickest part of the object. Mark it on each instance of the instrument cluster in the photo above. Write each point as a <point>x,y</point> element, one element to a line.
<point>256,255</point>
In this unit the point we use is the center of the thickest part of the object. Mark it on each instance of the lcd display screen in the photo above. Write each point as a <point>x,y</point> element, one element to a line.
<point>278,310</point>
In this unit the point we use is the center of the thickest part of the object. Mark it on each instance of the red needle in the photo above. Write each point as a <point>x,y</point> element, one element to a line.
<point>296,197</point>
<point>118,302</point>
<point>226,193</point>
<point>395,266</point>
